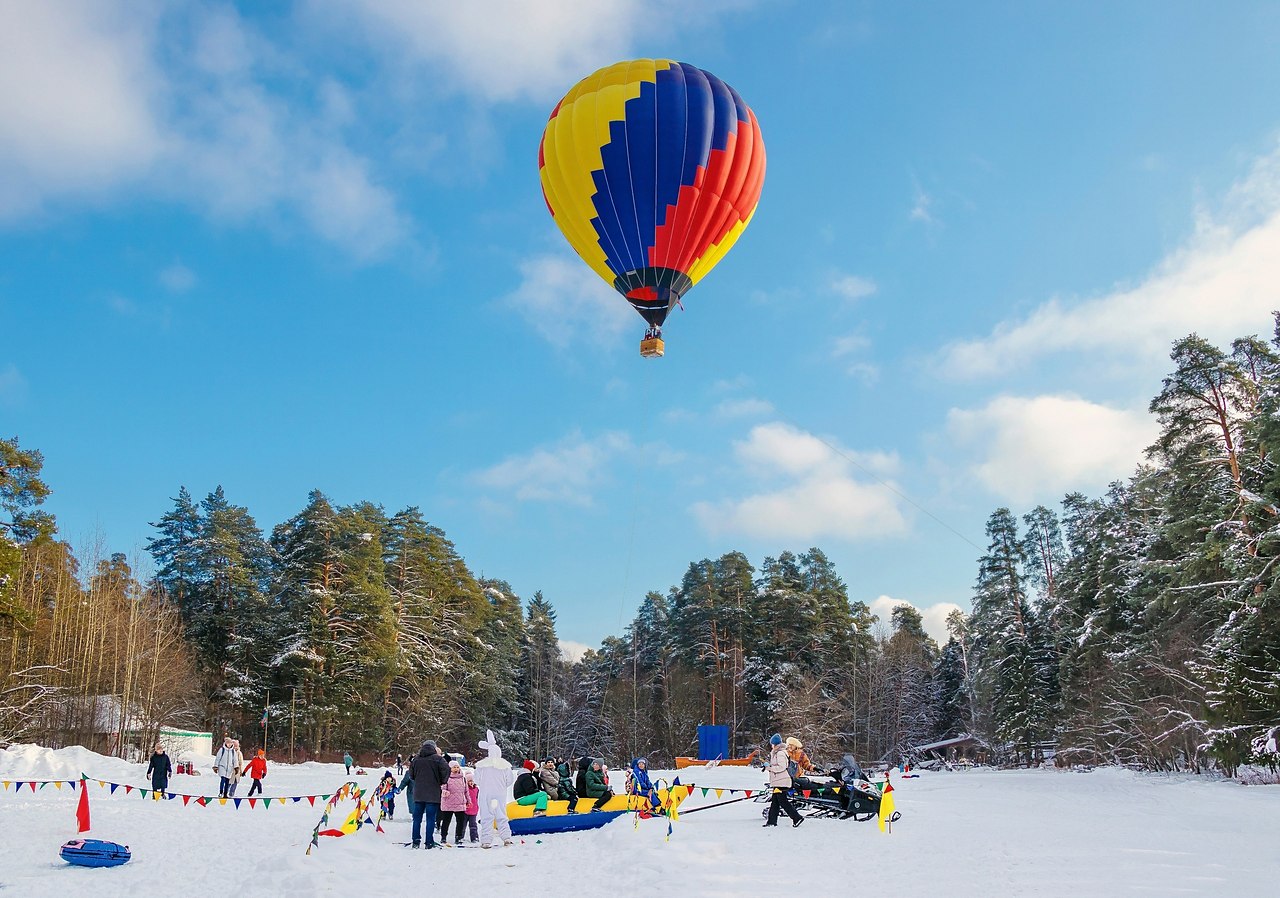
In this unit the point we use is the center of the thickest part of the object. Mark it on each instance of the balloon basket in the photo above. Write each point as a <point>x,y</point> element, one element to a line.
<point>651,348</point>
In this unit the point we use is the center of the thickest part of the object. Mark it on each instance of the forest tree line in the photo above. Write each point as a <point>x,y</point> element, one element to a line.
<point>1141,627</point>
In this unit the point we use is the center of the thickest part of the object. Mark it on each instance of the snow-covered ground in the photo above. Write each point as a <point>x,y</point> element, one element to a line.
<point>989,833</point>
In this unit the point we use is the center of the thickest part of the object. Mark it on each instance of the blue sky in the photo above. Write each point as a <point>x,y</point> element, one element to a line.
<point>307,249</point>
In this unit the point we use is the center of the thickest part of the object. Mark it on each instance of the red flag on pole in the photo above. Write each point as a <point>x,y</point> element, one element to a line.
<point>82,810</point>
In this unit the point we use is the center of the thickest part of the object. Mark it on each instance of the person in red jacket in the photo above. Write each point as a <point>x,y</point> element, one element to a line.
<point>256,770</point>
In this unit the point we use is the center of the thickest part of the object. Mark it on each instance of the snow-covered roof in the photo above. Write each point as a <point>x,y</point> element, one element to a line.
<point>947,743</point>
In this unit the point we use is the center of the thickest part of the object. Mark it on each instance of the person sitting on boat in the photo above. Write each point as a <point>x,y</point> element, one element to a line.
<point>528,790</point>
<point>596,786</point>
<point>556,788</point>
<point>641,784</point>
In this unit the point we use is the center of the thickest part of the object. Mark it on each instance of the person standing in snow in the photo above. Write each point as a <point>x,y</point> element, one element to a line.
<point>237,757</point>
<point>473,805</point>
<point>453,805</point>
<point>256,770</point>
<point>399,765</point>
<point>224,764</point>
<point>387,795</point>
<point>346,759</point>
<point>780,782</point>
<point>493,778</point>
<point>159,770</point>
<point>429,773</point>
<point>406,788</point>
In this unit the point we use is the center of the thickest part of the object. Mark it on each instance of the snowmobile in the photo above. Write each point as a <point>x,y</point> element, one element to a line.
<point>854,798</point>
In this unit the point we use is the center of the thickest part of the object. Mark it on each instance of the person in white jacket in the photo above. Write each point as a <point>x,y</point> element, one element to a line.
<point>225,765</point>
<point>780,782</point>
<point>493,777</point>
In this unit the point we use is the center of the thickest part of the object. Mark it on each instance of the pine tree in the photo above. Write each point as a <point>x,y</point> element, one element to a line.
<point>1011,648</point>
<point>21,490</point>
<point>541,698</point>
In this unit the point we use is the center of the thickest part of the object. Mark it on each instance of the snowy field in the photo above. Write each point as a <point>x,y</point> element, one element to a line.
<point>990,833</point>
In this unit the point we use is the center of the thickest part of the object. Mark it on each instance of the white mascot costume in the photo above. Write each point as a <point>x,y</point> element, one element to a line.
<point>493,778</point>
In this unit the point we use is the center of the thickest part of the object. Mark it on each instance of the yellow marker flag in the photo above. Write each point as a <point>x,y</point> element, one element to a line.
<point>886,805</point>
<point>719,792</point>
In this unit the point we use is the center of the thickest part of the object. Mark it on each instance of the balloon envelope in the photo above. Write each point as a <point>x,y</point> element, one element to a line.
<point>652,169</point>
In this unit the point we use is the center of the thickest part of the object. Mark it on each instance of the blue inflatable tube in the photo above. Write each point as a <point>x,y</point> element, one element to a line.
<point>564,823</point>
<point>94,853</point>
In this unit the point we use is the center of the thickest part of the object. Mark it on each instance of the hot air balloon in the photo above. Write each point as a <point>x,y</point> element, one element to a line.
<point>652,169</point>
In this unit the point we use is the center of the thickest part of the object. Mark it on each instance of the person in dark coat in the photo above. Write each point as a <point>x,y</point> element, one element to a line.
<point>429,773</point>
<point>584,764</point>
<point>159,770</point>
<point>596,787</point>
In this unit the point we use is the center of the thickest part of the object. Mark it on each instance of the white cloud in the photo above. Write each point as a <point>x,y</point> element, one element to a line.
<point>501,50</point>
<point>13,386</point>
<point>568,471</point>
<point>934,617</point>
<point>573,651</point>
<point>922,207</point>
<point>731,384</point>
<point>851,287</point>
<point>1221,284</point>
<point>185,102</point>
<point>744,408</point>
<point>1040,447</point>
<point>177,278</point>
<point>76,110</point>
<point>849,350</point>
<point>566,302</point>
<point>804,491</point>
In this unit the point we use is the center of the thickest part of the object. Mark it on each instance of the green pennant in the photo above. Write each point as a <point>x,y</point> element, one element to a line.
<point>42,785</point>
<point>266,802</point>
<point>705,790</point>
<point>142,792</point>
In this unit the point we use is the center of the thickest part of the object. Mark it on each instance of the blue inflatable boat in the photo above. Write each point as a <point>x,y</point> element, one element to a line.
<point>94,853</point>
<point>570,823</point>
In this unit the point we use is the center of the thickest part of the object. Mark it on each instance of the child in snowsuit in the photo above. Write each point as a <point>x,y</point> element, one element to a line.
<point>453,805</point>
<point>473,805</point>
<point>493,778</point>
<point>641,784</point>
<point>387,795</point>
<point>256,770</point>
